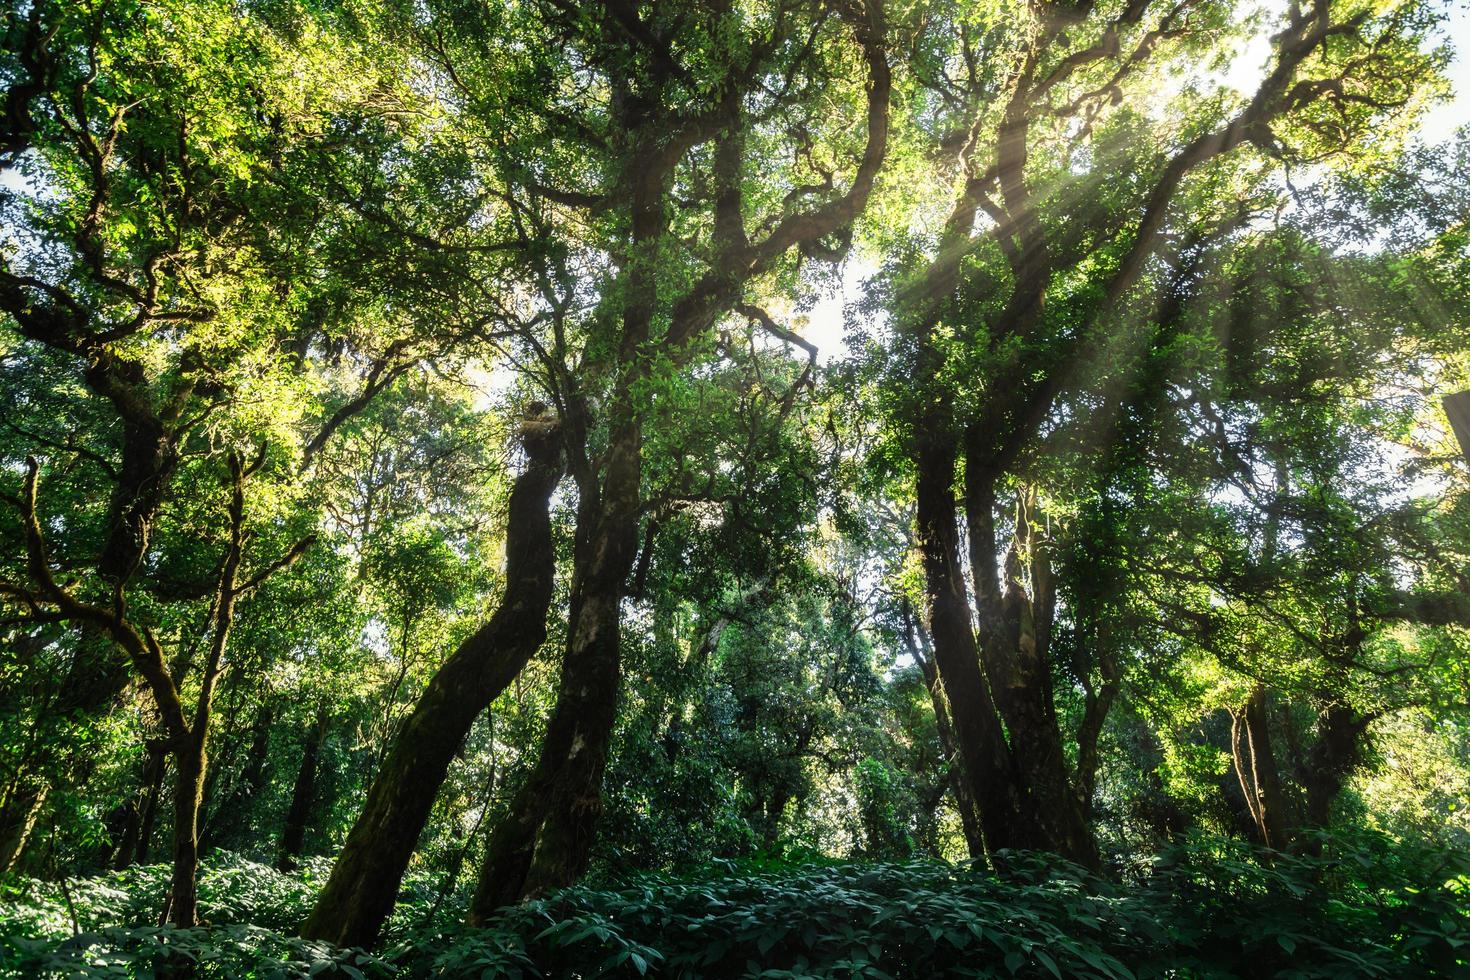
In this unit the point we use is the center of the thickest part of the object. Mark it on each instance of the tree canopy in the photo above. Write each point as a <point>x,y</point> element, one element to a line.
<point>442,533</point>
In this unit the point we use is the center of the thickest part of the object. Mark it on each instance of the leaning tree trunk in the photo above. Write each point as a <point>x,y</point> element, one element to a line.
<point>364,884</point>
<point>545,840</point>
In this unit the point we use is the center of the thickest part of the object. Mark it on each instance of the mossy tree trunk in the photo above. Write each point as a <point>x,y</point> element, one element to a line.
<point>364,883</point>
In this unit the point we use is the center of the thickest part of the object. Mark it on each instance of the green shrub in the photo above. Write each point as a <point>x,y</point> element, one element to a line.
<point>1367,908</point>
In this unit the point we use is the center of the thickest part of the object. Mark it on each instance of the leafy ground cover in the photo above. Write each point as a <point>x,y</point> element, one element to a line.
<point>1209,908</point>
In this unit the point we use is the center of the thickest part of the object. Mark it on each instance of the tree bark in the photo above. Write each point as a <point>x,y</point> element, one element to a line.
<point>987,758</point>
<point>133,843</point>
<point>1254,759</point>
<point>230,815</point>
<point>303,795</point>
<point>1015,629</point>
<point>1332,758</point>
<point>545,841</point>
<point>958,781</point>
<point>190,763</point>
<point>22,809</point>
<point>364,884</point>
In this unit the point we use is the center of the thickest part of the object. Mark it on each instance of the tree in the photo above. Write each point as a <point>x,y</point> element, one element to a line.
<point>364,883</point>
<point>669,150</point>
<point>989,287</point>
<point>140,276</point>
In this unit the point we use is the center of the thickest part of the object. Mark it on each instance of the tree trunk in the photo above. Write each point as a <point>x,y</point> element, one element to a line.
<point>303,794</point>
<point>1254,760</point>
<point>191,764</point>
<point>229,816</point>
<point>1332,758</point>
<point>364,884</point>
<point>1098,703</point>
<point>22,809</point>
<point>987,759</point>
<point>1015,630</point>
<point>957,780</point>
<point>150,812</point>
<point>133,842</point>
<point>545,841</point>
<point>772,810</point>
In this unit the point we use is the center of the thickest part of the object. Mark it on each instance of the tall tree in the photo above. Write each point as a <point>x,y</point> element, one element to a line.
<point>360,894</point>
<point>144,273</point>
<point>1064,68</point>
<point>669,152</point>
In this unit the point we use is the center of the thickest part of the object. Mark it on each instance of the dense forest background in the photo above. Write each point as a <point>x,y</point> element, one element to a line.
<point>885,488</point>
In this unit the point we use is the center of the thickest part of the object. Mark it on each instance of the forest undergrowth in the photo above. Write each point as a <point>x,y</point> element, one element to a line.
<point>1208,907</point>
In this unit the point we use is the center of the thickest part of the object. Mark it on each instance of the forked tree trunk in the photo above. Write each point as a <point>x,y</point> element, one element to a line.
<point>545,840</point>
<point>364,883</point>
<point>1003,713</point>
<point>1254,760</point>
<point>988,764</point>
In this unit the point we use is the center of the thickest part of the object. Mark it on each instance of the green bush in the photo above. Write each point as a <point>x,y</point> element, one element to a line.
<point>1366,908</point>
<point>231,889</point>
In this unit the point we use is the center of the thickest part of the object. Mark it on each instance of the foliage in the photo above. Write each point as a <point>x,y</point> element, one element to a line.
<point>1128,526</point>
<point>1207,908</point>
